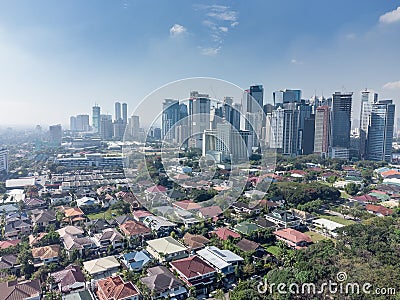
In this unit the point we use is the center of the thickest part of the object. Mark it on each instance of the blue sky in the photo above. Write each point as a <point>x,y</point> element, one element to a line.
<point>58,58</point>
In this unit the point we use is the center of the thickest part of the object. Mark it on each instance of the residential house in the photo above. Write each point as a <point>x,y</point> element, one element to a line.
<point>46,255</point>
<point>32,203</point>
<point>164,284</point>
<point>97,226</point>
<point>73,215</point>
<point>140,215</point>
<point>210,212</point>
<point>135,260</point>
<point>326,227</point>
<point>246,227</point>
<point>224,261</point>
<point>70,230</point>
<point>187,205</point>
<point>160,225</point>
<point>305,217</point>
<point>110,237</point>
<point>224,233</point>
<point>101,267</point>
<point>8,244</point>
<point>196,272</point>
<point>195,241</point>
<point>9,263</point>
<point>26,290</point>
<point>8,208</point>
<point>59,198</point>
<point>247,208</point>
<point>83,246</point>
<point>117,221</point>
<point>34,240</point>
<point>115,288</point>
<point>43,217</point>
<point>282,218</point>
<point>166,249</point>
<point>293,238</point>
<point>70,279</point>
<point>17,227</point>
<point>249,246</point>
<point>135,231</point>
<point>378,210</point>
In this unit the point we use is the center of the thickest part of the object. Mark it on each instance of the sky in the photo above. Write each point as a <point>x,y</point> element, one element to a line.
<point>59,58</point>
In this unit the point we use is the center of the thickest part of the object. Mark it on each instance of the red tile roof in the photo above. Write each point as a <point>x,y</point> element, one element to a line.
<point>114,288</point>
<point>379,209</point>
<point>156,189</point>
<point>187,205</point>
<point>6,244</point>
<point>365,198</point>
<point>293,235</point>
<point>389,173</point>
<point>192,266</point>
<point>224,233</point>
<point>210,211</point>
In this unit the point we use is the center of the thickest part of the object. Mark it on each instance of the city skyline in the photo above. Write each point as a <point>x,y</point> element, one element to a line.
<point>64,58</point>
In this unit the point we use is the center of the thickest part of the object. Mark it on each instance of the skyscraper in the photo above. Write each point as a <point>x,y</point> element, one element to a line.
<point>125,113</point>
<point>96,118</point>
<point>199,115</point>
<point>290,133</point>
<point>134,126</point>
<point>3,160</point>
<point>117,111</point>
<point>254,112</point>
<point>380,131</point>
<point>170,116</point>
<point>72,123</point>
<point>55,132</point>
<point>341,122</point>
<point>106,127</point>
<point>286,96</point>
<point>255,98</point>
<point>322,130</point>
<point>368,98</point>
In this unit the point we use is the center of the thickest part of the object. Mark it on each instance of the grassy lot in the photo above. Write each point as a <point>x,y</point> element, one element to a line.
<point>344,195</point>
<point>108,215</point>
<point>337,219</point>
<point>274,250</point>
<point>316,237</point>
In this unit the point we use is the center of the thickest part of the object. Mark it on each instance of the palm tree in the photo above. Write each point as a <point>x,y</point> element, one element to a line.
<point>219,294</point>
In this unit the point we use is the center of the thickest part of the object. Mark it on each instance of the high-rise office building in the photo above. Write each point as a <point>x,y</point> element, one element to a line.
<point>72,123</point>
<point>117,111</point>
<point>125,113</point>
<point>199,115</point>
<point>380,131</point>
<point>254,113</point>
<point>322,130</point>
<point>96,118</point>
<point>286,96</point>
<point>290,131</point>
<point>255,98</point>
<point>275,128</point>
<point>55,135</point>
<point>106,127</point>
<point>340,123</point>
<point>3,160</point>
<point>307,135</point>
<point>368,98</point>
<point>134,127</point>
<point>82,123</point>
<point>170,116</point>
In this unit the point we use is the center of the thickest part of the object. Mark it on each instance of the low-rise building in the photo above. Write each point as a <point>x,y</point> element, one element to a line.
<point>25,290</point>
<point>46,255</point>
<point>135,260</point>
<point>166,249</point>
<point>70,279</point>
<point>101,267</point>
<point>224,261</point>
<point>115,288</point>
<point>293,238</point>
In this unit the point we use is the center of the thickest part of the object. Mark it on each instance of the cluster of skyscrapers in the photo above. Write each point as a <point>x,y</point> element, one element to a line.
<point>104,125</point>
<point>291,125</point>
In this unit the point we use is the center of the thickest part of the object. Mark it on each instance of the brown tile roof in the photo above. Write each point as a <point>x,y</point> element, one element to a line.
<point>224,233</point>
<point>67,277</point>
<point>36,239</point>
<point>73,212</point>
<point>114,288</point>
<point>210,211</point>
<point>192,267</point>
<point>133,228</point>
<point>46,252</point>
<point>195,242</point>
<point>379,209</point>
<point>247,245</point>
<point>20,291</point>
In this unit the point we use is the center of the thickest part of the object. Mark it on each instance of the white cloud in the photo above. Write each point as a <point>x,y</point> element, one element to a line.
<point>234,24</point>
<point>177,30</point>
<point>296,62</point>
<point>391,16</point>
<point>210,51</point>
<point>393,85</point>
<point>224,29</point>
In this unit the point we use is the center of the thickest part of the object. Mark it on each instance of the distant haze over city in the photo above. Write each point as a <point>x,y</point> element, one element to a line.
<point>59,59</point>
